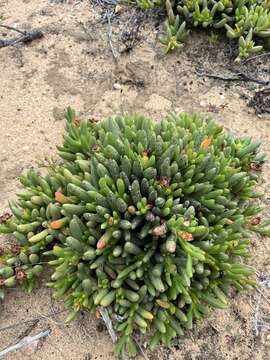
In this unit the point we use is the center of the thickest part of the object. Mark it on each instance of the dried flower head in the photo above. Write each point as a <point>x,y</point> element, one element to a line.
<point>132,210</point>
<point>61,198</point>
<point>255,166</point>
<point>149,216</point>
<point>146,152</point>
<point>94,119</point>
<point>206,142</point>
<point>20,276</point>
<point>2,251</point>
<point>5,217</point>
<point>95,147</point>
<point>159,230</point>
<point>256,220</point>
<point>186,236</point>
<point>119,9</point>
<point>98,314</point>
<point>164,182</point>
<point>15,249</point>
<point>76,122</point>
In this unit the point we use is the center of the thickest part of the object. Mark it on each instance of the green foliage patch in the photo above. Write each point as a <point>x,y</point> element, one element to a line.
<point>151,220</point>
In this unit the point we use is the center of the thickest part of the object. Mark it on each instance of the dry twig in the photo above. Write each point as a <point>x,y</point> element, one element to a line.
<point>108,15</point>
<point>256,57</point>
<point>141,350</point>
<point>261,321</point>
<point>240,76</point>
<point>24,342</point>
<point>25,37</point>
<point>262,294</point>
<point>108,323</point>
<point>46,316</point>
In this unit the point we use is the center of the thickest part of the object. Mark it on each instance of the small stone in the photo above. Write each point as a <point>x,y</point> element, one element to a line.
<point>119,9</point>
<point>202,103</point>
<point>117,86</point>
<point>25,148</point>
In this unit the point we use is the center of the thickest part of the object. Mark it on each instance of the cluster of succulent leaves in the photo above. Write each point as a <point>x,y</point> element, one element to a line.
<point>245,20</point>
<point>148,219</point>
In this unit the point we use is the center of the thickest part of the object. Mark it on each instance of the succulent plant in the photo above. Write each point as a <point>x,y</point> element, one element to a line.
<point>246,20</point>
<point>148,219</point>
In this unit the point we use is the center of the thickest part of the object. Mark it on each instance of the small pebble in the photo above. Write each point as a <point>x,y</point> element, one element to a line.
<point>25,148</point>
<point>117,86</point>
<point>202,103</point>
<point>119,9</point>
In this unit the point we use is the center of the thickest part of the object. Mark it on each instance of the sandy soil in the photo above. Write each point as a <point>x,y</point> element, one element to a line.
<point>73,65</point>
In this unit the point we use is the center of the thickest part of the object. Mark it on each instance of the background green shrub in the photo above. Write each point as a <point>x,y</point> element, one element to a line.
<point>245,20</point>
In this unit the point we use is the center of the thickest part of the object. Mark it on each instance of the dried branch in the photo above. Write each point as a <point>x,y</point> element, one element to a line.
<point>25,37</point>
<point>256,57</point>
<point>108,323</point>
<point>108,15</point>
<point>141,350</point>
<point>13,28</point>
<point>259,319</point>
<point>237,77</point>
<point>46,316</point>
<point>262,294</point>
<point>24,342</point>
<point>29,329</point>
